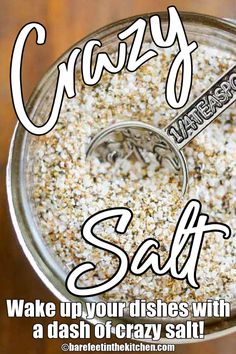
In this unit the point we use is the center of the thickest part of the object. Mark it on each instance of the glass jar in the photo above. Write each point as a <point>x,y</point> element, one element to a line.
<point>213,32</point>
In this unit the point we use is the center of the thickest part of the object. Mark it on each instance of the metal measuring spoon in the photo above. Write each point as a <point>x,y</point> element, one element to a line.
<point>124,139</point>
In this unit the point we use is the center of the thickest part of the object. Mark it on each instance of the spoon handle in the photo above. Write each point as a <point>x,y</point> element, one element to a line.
<point>202,111</point>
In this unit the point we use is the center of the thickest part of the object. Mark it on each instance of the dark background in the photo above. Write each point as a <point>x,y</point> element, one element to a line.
<point>66,22</point>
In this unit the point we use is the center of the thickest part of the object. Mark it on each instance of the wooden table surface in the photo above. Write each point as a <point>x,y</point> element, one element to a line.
<point>66,22</point>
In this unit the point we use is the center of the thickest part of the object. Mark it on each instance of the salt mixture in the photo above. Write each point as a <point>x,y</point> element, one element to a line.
<point>67,188</point>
